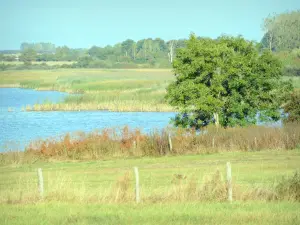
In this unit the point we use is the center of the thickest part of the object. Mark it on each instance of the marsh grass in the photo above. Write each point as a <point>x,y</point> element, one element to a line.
<point>126,142</point>
<point>115,90</point>
<point>99,89</point>
<point>116,106</point>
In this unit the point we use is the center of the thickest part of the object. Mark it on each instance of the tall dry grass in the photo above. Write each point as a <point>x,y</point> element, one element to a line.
<point>183,188</point>
<point>126,142</point>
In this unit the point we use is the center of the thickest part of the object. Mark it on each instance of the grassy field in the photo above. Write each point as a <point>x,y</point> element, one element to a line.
<point>117,90</point>
<point>93,192</point>
<point>114,89</point>
<point>50,63</point>
<point>164,214</point>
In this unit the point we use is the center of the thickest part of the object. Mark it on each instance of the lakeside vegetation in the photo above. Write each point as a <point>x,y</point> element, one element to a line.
<point>116,90</point>
<point>100,89</point>
<point>125,142</point>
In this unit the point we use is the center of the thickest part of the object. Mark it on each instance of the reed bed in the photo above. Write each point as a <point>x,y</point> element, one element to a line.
<point>126,142</point>
<point>116,106</point>
<point>115,90</point>
<point>99,89</point>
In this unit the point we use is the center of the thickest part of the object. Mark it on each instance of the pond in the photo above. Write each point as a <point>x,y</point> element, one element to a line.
<point>18,128</point>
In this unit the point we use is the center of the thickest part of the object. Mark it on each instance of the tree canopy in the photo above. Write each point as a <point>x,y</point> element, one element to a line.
<point>282,31</point>
<point>28,55</point>
<point>225,81</point>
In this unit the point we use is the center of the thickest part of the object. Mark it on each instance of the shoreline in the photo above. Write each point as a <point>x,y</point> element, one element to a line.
<point>110,107</point>
<point>122,106</point>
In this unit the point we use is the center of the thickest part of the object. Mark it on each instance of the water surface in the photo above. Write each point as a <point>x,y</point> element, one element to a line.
<point>18,128</point>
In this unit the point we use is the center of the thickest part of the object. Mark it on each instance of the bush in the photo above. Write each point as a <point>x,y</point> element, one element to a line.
<point>100,64</point>
<point>289,188</point>
<point>125,65</point>
<point>292,107</point>
<point>127,142</point>
<point>291,71</point>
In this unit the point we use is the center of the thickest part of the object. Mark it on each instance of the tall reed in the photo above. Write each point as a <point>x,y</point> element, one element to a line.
<point>125,142</point>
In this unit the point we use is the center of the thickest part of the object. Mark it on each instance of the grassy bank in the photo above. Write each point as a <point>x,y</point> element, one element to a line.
<point>89,179</point>
<point>165,179</point>
<point>197,213</point>
<point>100,89</point>
<point>125,142</point>
<point>174,190</point>
<point>116,90</point>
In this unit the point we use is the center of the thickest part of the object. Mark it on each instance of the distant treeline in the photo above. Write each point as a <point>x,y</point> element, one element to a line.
<point>282,36</point>
<point>128,54</point>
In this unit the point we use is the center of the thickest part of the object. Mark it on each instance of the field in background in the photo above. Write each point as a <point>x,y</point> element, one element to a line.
<point>117,90</point>
<point>50,63</point>
<point>168,188</point>
<point>100,89</point>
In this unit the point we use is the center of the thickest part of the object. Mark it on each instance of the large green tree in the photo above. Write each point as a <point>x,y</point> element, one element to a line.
<point>225,81</point>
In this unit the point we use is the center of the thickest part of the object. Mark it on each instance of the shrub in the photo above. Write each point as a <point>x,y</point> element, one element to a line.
<point>292,107</point>
<point>289,188</point>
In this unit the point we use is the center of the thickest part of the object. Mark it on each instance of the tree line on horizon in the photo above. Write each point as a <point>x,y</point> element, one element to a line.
<point>281,36</point>
<point>151,52</point>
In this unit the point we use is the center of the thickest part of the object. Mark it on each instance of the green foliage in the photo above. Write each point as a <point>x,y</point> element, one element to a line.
<point>227,79</point>
<point>28,56</point>
<point>292,107</point>
<point>289,188</point>
<point>290,61</point>
<point>145,53</point>
<point>282,31</point>
<point>38,47</point>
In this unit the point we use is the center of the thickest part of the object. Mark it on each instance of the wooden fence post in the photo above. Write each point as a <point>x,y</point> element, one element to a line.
<point>41,182</point>
<point>137,185</point>
<point>170,143</point>
<point>229,181</point>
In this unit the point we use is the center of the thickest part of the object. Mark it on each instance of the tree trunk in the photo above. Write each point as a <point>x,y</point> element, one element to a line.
<point>270,42</point>
<point>171,51</point>
<point>216,118</point>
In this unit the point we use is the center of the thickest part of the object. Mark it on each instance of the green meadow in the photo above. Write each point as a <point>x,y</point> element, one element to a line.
<point>50,63</point>
<point>100,89</point>
<point>174,190</point>
<point>177,213</point>
<point>117,90</point>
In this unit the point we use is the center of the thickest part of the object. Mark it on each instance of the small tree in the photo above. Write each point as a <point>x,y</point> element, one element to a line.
<point>225,81</point>
<point>28,55</point>
<point>292,107</point>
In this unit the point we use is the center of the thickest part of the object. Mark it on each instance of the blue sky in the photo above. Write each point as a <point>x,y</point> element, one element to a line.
<point>81,24</point>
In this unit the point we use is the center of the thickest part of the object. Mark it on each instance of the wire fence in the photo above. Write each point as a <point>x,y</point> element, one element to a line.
<point>218,180</point>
